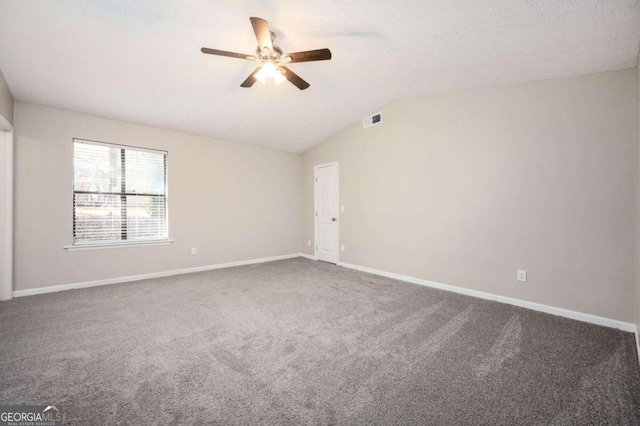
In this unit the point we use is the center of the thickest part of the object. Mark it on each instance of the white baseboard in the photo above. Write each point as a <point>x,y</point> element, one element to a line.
<point>308,256</point>
<point>56,288</point>
<point>625,326</point>
<point>593,319</point>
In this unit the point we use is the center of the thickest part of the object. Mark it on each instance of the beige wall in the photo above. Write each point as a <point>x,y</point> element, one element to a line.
<point>6,101</point>
<point>465,188</point>
<point>233,202</point>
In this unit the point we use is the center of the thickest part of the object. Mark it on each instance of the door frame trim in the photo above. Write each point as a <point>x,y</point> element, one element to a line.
<point>315,208</point>
<point>6,258</point>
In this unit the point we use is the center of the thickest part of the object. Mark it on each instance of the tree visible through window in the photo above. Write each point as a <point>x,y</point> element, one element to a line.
<point>119,194</point>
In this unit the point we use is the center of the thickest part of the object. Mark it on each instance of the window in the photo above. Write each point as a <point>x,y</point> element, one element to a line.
<point>119,194</point>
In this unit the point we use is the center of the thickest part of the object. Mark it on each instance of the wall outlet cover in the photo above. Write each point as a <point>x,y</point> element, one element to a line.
<point>522,275</point>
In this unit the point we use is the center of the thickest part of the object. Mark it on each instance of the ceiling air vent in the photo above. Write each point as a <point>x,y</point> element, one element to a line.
<point>371,120</point>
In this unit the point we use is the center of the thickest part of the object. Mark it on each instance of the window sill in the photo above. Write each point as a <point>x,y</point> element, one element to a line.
<point>117,245</point>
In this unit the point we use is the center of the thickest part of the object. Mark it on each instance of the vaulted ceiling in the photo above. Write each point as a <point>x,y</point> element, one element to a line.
<point>140,61</point>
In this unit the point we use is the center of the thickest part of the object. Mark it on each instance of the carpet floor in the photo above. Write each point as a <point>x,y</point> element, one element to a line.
<point>304,342</point>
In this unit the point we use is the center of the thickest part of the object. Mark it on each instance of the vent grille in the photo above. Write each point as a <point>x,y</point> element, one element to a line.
<point>371,120</point>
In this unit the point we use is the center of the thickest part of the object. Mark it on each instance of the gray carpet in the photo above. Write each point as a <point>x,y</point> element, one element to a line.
<point>303,342</point>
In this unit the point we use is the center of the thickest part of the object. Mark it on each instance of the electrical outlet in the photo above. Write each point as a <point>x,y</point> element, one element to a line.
<point>194,251</point>
<point>342,247</point>
<point>309,243</point>
<point>522,275</point>
<point>342,209</point>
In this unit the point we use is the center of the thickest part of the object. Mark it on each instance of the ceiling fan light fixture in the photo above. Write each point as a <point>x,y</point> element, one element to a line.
<point>279,77</point>
<point>268,71</point>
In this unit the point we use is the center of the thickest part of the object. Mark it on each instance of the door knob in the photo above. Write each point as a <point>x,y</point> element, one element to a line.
<point>333,219</point>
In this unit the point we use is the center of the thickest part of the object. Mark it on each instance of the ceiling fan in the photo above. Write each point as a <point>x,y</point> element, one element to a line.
<point>272,58</point>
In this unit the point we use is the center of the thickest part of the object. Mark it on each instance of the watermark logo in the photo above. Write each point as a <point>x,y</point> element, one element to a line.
<point>30,415</point>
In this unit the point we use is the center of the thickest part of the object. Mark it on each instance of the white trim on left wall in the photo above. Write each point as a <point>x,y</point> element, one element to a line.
<point>108,281</point>
<point>6,281</point>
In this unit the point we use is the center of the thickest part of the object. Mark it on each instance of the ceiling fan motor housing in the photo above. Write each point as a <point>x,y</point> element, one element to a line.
<point>266,54</point>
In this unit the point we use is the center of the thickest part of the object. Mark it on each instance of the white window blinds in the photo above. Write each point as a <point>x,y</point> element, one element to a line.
<point>119,194</point>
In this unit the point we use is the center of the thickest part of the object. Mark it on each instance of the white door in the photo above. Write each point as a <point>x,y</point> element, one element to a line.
<point>326,193</point>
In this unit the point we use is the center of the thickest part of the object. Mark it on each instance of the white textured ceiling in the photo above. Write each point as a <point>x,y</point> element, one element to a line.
<point>140,60</point>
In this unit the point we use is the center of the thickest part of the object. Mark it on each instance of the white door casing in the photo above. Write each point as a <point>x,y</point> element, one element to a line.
<point>326,212</point>
<point>6,215</point>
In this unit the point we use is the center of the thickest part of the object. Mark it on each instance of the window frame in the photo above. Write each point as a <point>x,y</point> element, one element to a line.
<point>118,243</point>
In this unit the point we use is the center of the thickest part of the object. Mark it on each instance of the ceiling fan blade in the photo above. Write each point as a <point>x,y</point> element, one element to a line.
<point>294,78</point>
<point>229,54</point>
<point>263,34</point>
<point>310,55</point>
<point>251,79</point>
